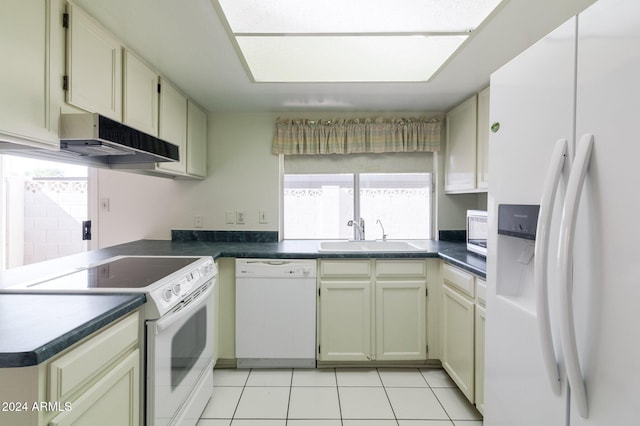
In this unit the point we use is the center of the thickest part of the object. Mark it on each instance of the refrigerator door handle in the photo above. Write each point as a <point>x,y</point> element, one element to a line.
<point>541,262</point>
<point>565,251</point>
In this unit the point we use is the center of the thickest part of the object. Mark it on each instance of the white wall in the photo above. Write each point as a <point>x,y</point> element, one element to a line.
<point>242,175</point>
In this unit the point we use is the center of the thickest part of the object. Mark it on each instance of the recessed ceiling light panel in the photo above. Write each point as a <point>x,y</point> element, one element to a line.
<point>348,59</point>
<point>355,16</point>
<point>350,41</point>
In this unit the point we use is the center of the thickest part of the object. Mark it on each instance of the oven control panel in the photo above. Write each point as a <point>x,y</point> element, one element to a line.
<point>182,284</point>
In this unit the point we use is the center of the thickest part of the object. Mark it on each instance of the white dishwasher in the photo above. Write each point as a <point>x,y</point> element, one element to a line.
<point>276,313</point>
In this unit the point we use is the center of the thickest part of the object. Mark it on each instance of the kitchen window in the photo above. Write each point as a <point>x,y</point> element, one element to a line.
<point>319,206</point>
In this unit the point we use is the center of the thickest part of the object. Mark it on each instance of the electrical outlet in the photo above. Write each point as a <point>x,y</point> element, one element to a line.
<point>231,217</point>
<point>262,216</point>
<point>240,217</point>
<point>197,221</point>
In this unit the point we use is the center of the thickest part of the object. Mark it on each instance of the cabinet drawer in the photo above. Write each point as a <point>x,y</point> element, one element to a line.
<point>345,268</point>
<point>401,268</point>
<point>77,368</point>
<point>458,278</point>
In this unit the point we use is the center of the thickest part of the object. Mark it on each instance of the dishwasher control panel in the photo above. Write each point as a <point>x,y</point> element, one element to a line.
<point>280,268</point>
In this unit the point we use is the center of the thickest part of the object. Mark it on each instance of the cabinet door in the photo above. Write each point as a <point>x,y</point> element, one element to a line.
<point>173,125</point>
<point>196,140</point>
<point>345,321</point>
<point>458,340</point>
<point>94,64</point>
<point>140,95</point>
<point>24,107</point>
<point>482,162</point>
<point>479,385</point>
<point>460,152</point>
<point>116,397</point>
<point>400,320</point>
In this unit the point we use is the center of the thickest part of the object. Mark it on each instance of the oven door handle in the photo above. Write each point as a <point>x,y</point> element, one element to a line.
<point>169,320</point>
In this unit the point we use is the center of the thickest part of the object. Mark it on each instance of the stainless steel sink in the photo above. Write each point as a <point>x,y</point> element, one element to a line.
<point>367,246</point>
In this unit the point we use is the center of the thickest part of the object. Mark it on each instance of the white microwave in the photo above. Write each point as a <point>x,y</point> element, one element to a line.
<point>477,230</point>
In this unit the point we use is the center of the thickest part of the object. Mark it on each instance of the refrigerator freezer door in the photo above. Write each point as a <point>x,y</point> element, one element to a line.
<point>532,98</point>
<point>606,287</point>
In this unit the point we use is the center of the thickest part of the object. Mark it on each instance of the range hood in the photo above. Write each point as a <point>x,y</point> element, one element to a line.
<point>97,140</point>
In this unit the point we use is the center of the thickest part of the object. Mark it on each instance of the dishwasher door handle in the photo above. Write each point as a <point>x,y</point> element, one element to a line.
<point>269,262</point>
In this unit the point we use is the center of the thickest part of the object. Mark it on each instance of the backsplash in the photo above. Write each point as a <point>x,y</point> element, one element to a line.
<point>225,236</point>
<point>455,236</point>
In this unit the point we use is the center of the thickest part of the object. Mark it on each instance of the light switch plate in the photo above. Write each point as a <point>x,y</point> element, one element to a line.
<point>231,217</point>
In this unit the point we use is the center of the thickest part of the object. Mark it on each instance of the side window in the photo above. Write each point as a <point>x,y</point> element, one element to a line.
<point>43,206</point>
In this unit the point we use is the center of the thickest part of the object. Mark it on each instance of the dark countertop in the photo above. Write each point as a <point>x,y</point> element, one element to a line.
<point>35,327</point>
<point>452,252</point>
<point>34,338</point>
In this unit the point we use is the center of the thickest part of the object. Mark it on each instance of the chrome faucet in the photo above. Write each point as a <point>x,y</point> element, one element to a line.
<point>358,226</point>
<point>384,236</point>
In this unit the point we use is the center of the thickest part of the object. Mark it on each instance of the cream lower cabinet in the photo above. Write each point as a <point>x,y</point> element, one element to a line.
<point>345,321</point>
<point>114,397</point>
<point>372,310</point>
<point>479,342</point>
<point>462,332</point>
<point>458,328</point>
<point>96,382</point>
<point>401,298</point>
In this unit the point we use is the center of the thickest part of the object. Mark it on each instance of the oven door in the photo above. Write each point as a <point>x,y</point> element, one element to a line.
<point>179,356</point>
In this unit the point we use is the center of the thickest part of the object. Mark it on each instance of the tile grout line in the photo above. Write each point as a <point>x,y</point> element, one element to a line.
<point>286,419</point>
<point>335,376</point>
<point>387,395</point>
<point>233,416</point>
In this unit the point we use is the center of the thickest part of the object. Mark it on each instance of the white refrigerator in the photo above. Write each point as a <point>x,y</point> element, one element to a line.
<point>563,317</point>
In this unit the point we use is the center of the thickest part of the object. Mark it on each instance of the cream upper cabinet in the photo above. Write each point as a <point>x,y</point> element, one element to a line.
<point>482,154</point>
<point>458,322</point>
<point>94,65</point>
<point>140,94</point>
<point>372,310</point>
<point>466,167</point>
<point>173,124</point>
<point>27,115</point>
<point>196,140</point>
<point>460,152</point>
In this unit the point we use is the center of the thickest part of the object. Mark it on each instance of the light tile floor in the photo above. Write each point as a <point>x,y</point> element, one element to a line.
<point>337,397</point>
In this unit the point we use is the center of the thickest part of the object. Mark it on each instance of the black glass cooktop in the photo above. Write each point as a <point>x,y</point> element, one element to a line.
<point>126,272</point>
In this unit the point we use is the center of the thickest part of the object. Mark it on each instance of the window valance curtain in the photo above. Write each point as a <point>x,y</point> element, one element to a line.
<point>359,135</point>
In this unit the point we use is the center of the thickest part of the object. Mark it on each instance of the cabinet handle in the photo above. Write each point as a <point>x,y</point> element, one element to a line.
<point>541,254</point>
<point>565,251</point>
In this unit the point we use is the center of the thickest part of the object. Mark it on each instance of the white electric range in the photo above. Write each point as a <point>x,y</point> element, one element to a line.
<point>179,324</point>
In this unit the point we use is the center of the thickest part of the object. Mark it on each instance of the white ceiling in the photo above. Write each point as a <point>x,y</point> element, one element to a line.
<point>186,42</point>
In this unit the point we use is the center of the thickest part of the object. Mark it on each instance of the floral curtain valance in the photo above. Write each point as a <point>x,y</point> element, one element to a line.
<point>360,135</point>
